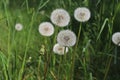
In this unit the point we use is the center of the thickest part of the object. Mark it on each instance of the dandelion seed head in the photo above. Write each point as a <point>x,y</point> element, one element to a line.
<point>66,38</point>
<point>116,38</point>
<point>58,49</point>
<point>82,14</point>
<point>60,17</point>
<point>46,29</point>
<point>18,27</point>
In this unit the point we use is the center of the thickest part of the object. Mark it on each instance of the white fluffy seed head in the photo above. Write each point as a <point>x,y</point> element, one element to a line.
<point>58,49</point>
<point>116,38</point>
<point>46,29</point>
<point>60,17</point>
<point>18,27</point>
<point>66,38</point>
<point>82,14</point>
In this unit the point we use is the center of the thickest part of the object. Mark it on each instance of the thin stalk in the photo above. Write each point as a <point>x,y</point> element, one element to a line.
<point>56,33</point>
<point>8,24</point>
<point>27,43</point>
<point>39,75</point>
<point>54,42</point>
<point>70,3</point>
<point>27,5</point>
<point>91,78</point>
<point>42,5</point>
<point>59,68</point>
<point>8,43</point>
<point>48,57</point>
<point>55,78</point>
<point>103,26</point>
<point>4,63</point>
<point>107,69</point>
<point>65,61</point>
<point>115,58</point>
<point>75,51</point>
<point>84,66</point>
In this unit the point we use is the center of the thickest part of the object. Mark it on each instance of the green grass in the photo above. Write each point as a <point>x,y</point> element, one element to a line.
<point>27,55</point>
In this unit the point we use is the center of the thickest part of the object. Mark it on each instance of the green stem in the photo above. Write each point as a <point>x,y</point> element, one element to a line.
<point>38,68</point>
<point>27,44</point>
<point>48,55</point>
<point>46,58</point>
<point>65,62</point>
<point>70,3</point>
<point>91,78</point>
<point>56,33</point>
<point>84,66</point>
<point>8,43</point>
<point>59,68</point>
<point>8,24</point>
<point>115,58</point>
<point>75,51</point>
<point>42,5</point>
<point>27,6</point>
<point>107,68</point>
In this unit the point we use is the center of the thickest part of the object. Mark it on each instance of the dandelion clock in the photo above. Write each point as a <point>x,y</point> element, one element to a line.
<point>116,38</point>
<point>82,14</point>
<point>60,17</point>
<point>58,49</point>
<point>66,38</point>
<point>18,27</point>
<point>46,29</point>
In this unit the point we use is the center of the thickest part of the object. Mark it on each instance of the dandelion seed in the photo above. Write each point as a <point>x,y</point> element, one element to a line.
<point>46,29</point>
<point>116,38</point>
<point>82,14</point>
<point>60,17</point>
<point>58,49</point>
<point>18,27</point>
<point>66,38</point>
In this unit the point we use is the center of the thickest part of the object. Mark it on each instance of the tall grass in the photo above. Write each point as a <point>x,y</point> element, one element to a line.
<point>27,55</point>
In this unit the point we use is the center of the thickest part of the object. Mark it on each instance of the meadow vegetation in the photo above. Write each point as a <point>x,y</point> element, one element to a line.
<point>28,55</point>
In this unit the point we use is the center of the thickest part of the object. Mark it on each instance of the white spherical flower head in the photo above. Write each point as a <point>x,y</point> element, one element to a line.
<point>58,49</point>
<point>66,38</point>
<point>18,27</point>
<point>116,38</point>
<point>46,29</point>
<point>82,14</point>
<point>60,17</point>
